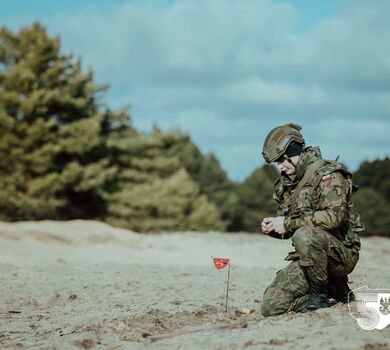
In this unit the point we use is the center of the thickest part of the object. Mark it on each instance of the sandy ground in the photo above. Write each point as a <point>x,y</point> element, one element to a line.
<point>87,285</point>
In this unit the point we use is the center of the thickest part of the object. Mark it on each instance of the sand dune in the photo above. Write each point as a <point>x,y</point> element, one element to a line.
<point>85,284</point>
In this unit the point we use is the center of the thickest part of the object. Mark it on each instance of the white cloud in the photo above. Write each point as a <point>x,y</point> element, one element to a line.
<point>227,71</point>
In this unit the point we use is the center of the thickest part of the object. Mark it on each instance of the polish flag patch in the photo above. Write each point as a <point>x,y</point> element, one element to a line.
<point>326,177</point>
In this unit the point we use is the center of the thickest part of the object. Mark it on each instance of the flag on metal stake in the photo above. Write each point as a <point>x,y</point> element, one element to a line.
<point>221,263</point>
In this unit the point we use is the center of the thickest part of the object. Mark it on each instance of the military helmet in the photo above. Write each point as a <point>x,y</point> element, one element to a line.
<point>278,139</point>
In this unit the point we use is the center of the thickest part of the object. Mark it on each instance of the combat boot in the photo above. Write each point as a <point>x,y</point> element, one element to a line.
<point>339,290</point>
<point>318,297</point>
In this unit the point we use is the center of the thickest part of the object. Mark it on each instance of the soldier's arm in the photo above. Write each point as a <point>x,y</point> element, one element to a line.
<point>280,211</point>
<point>333,190</point>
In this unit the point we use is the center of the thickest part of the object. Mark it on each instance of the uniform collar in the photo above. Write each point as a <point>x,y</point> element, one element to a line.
<point>308,156</point>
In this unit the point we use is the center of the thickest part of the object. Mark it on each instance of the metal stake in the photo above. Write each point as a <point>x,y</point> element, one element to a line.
<point>227,289</point>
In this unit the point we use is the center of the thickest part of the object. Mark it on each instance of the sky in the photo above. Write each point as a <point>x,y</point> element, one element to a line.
<point>227,72</point>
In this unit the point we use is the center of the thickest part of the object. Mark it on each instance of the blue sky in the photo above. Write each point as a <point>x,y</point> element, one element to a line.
<point>228,71</point>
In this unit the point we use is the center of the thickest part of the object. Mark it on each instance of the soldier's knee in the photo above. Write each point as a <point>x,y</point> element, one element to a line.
<point>271,304</point>
<point>268,308</point>
<point>303,236</point>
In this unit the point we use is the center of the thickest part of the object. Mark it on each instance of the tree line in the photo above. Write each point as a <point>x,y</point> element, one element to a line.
<point>64,155</point>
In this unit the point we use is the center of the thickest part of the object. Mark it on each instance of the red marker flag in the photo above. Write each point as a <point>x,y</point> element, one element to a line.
<point>220,263</point>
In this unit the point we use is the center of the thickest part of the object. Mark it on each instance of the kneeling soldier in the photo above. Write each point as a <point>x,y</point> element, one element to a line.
<point>316,211</point>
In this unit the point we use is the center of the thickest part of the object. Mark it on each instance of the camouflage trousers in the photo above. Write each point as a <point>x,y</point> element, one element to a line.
<point>321,255</point>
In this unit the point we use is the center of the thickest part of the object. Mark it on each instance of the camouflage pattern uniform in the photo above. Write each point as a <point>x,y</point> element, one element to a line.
<point>323,226</point>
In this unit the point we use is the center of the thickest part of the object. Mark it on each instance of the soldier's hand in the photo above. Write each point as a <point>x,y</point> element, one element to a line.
<point>265,225</point>
<point>275,224</point>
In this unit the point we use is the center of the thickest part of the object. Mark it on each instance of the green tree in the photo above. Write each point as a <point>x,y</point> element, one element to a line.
<point>374,212</point>
<point>52,134</point>
<point>256,199</point>
<point>373,198</point>
<point>64,155</point>
<point>213,181</point>
<point>155,192</point>
<point>375,175</point>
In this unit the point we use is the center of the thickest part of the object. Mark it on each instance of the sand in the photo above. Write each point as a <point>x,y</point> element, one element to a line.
<point>87,285</point>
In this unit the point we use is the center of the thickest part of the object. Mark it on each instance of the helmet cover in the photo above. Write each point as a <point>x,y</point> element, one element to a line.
<point>278,140</point>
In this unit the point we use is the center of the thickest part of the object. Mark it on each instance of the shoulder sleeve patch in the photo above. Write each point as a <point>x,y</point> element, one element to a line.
<point>326,178</point>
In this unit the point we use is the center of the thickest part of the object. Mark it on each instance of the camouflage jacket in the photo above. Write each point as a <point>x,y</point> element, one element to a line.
<point>323,201</point>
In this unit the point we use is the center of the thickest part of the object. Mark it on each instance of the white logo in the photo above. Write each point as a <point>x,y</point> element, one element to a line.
<point>371,308</point>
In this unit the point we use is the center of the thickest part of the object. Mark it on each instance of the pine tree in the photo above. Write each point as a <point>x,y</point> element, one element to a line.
<point>211,178</point>
<point>375,175</point>
<point>63,155</point>
<point>53,131</point>
<point>374,212</point>
<point>155,193</point>
<point>373,198</point>
<point>256,199</point>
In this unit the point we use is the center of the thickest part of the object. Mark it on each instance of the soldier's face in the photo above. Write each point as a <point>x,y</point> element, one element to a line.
<point>286,167</point>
